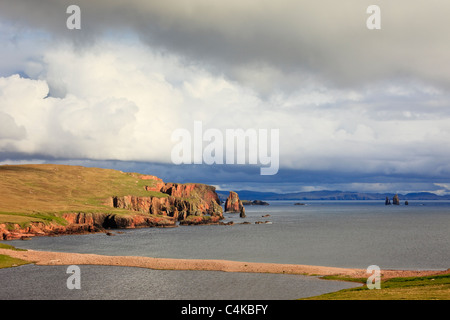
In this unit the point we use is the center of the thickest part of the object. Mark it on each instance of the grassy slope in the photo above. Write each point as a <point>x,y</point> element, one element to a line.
<point>42,192</point>
<point>413,288</point>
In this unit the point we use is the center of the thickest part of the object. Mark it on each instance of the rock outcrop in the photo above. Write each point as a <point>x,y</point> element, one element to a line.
<point>387,201</point>
<point>233,204</point>
<point>179,201</point>
<point>254,203</point>
<point>157,185</point>
<point>396,200</point>
<point>202,198</point>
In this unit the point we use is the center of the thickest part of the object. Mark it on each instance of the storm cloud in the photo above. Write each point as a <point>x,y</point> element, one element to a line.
<point>290,40</point>
<point>353,105</point>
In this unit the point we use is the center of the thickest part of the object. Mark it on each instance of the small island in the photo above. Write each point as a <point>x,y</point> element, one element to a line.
<point>254,203</point>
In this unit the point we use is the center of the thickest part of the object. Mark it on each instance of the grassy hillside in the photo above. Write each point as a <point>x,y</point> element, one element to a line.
<point>41,192</point>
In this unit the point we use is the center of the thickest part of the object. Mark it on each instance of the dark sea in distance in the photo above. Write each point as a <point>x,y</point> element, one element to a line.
<point>326,233</point>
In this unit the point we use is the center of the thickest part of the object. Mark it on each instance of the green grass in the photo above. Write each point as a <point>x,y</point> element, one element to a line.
<point>345,278</point>
<point>412,288</point>
<point>8,262</point>
<point>42,193</point>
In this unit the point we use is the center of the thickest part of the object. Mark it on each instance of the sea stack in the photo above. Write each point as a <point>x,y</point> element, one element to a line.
<point>242,212</point>
<point>387,201</point>
<point>234,204</point>
<point>396,200</point>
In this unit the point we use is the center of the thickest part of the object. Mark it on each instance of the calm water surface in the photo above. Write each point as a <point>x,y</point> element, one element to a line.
<point>329,233</point>
<point>32,282</point>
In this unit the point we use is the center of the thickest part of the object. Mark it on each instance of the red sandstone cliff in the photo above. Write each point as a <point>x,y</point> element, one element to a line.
<point>79,223</point>
<point>182,201</point>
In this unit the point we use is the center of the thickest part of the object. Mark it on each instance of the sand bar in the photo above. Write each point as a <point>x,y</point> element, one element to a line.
<point>65,258</point>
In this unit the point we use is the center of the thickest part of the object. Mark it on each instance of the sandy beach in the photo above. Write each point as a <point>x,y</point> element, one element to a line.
<point>64,258</point>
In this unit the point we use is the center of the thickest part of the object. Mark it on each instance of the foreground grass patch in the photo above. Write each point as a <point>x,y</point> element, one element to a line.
<point>412,288</point>
<point>7,261</point>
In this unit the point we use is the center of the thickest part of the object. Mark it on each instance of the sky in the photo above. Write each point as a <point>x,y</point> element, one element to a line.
<point>356,109</point>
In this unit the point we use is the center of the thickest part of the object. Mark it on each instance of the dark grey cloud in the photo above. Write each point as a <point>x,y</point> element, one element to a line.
<point>295,40</point>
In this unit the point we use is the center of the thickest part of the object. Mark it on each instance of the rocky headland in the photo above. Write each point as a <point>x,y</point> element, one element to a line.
<point>150,203</point>
<point>182,200</point>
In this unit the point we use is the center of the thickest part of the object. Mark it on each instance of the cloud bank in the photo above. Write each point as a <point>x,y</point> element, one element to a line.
<point>358,104</point>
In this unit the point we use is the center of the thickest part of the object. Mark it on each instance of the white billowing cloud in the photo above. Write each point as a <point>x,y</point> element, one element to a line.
<point>68,127</point>
<point>114,102</point>
<point>9,128</point>
<point>120,101</point>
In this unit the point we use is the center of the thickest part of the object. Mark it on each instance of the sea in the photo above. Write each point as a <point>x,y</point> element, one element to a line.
<point>353,234</point>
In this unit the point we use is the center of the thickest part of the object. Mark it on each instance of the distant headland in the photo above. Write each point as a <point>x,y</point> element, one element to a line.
<point>331,195</point>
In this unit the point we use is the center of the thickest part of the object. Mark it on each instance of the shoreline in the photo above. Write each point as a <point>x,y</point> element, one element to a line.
<point>49,258</point>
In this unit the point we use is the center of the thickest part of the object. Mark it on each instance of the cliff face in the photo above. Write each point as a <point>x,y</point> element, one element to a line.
<point>79,223</point>
<point>182,201</point>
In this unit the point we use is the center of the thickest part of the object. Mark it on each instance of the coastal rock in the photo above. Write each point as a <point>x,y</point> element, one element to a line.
<point>203,198</point>
<point>260,203</point>
<point>387,201</point>
<point>176,207</point>
<point>81,223</point>
<point>233,204</point>
<point>177,200</point>
<point>242,212</point>
<point>396,200</point>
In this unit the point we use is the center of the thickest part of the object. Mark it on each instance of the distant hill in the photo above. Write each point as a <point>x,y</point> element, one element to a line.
<point>329,195</point>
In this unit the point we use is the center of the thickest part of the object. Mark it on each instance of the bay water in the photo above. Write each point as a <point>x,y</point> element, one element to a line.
<point>353,234</point>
